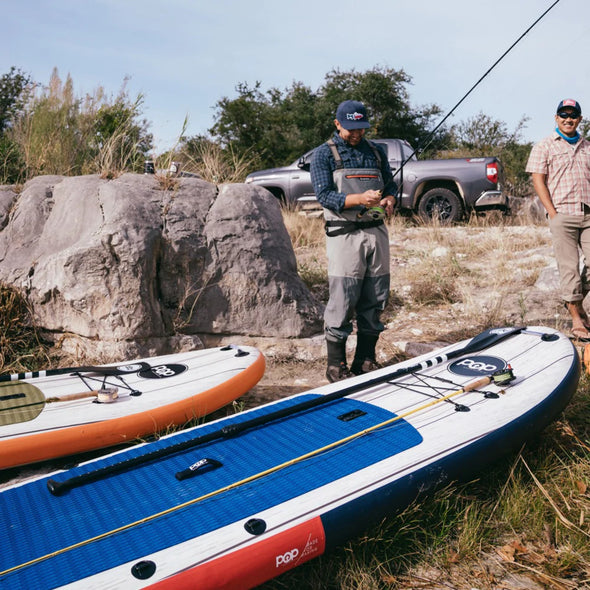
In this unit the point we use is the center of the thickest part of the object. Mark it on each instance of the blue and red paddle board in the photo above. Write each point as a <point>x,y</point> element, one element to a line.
<point>241,500</point>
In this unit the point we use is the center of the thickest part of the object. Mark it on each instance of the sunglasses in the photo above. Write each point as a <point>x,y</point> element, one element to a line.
<point>564,115</point>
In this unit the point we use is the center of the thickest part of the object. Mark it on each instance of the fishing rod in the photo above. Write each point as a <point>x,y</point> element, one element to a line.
<point>428,140</point>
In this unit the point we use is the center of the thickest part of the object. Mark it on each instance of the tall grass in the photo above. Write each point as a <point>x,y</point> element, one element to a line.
<point>213,163</point>
<point>60,133</point>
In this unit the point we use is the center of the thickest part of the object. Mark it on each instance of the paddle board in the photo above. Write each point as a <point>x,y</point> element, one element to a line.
<point>237,501</point>
<point>50,414</point>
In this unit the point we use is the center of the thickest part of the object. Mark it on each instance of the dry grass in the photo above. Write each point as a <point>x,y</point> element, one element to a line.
<point>475,275</point>
<point>217,165</point>
<point>20,345</point>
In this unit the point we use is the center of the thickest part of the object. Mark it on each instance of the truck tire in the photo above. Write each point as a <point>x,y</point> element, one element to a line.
<point>442,204</point>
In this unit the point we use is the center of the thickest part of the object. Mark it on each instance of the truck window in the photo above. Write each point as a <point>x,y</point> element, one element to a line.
<point>407,151</point>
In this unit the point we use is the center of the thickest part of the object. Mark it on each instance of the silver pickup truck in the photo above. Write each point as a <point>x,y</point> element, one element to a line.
<point>443,189</point>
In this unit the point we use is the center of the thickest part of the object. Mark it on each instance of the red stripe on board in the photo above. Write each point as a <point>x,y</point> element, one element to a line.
<point>255,564</point>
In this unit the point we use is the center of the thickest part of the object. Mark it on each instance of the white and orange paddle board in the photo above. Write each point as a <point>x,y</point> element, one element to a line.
<point>59,412</point>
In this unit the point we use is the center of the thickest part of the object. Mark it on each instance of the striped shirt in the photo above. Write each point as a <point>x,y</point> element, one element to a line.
<point>567,170</point>
<point>361,156</point>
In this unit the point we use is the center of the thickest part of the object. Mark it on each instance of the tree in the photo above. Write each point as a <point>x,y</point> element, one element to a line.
<point>281,125</point>
<point>484,136</point>
<point>384,93</point>
<point>15,88</point>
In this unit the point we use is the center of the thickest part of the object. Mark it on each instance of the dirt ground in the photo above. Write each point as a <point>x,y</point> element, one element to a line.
<point>486,300</point>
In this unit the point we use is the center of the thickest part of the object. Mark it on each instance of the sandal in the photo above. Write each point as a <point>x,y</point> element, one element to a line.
<point>581,311</point>
<point>581,334</point>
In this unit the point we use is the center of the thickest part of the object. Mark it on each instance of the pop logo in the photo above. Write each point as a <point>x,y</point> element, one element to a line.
<point>475,366</point>
<point>287,557</point>
<point>162,371</point>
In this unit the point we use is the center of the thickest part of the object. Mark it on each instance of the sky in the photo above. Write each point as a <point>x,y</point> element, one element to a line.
<point>183,56</point>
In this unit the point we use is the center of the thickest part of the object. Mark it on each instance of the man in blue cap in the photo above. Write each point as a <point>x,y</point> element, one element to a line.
<point>560,168</point>
<point>354,184</point>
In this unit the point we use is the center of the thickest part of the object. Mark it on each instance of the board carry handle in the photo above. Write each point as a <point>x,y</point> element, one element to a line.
<point>199,467</point>
<point>477,343</point>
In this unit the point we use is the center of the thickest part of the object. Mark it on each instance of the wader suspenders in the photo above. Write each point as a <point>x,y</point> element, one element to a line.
<point>337,227</point>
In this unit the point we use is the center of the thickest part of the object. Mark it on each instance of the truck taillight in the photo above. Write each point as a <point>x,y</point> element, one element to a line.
<point>492,172</point>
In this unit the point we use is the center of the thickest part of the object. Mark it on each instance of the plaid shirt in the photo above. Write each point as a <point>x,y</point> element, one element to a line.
<point>567,170</point>
<point>361,156</point>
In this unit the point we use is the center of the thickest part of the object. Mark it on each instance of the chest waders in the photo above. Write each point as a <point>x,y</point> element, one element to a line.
<point>357,246</point>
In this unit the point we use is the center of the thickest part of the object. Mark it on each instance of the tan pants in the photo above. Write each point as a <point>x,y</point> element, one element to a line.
<point>570,233</point>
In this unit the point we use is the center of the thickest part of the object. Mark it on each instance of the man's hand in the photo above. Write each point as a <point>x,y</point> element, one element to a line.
<point>388,203</point>
<point>370,198</point>
<point>540,186</point>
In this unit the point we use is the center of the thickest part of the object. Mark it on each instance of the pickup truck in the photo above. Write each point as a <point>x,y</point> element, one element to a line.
<point>443,189</point>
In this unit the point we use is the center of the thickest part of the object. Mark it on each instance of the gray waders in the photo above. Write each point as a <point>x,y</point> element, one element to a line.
<point>358,274</point>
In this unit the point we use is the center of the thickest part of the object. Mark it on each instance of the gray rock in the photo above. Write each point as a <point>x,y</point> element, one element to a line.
<point>123,267</point>
<point>7,199</point>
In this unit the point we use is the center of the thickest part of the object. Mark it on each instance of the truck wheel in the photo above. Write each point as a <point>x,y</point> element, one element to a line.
<point>442,204</point>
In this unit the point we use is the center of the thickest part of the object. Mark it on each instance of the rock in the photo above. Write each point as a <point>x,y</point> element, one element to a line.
<point>7,199</point>
<point>529,208</point>
<point>122,267</point>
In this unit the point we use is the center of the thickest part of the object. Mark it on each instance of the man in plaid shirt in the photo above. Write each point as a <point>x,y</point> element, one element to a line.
<point>560,168</point>
<point>352,179</point>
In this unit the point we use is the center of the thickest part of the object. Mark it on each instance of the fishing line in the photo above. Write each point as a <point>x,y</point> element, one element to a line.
<point>423,145</point>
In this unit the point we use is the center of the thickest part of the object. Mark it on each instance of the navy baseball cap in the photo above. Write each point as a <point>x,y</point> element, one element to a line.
<point>352,114</point>
<point>571,103</point>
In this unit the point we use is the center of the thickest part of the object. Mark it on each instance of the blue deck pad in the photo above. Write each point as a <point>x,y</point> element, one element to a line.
<point>35,523</point>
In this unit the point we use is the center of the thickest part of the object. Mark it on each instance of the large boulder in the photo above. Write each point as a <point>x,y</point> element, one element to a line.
<point>124,267</point>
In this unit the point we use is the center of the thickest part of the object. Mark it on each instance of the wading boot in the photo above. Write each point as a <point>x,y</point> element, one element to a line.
<point>337,368</point>
<point>364,355</point>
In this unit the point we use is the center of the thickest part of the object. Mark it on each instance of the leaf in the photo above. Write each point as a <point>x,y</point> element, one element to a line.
<point>506,553</point>
<point>510,551</point>
<point>582,487</point>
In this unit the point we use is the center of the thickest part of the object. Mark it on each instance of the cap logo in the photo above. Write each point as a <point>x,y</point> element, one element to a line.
<point>353,116</point>
<point>568,102</point>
